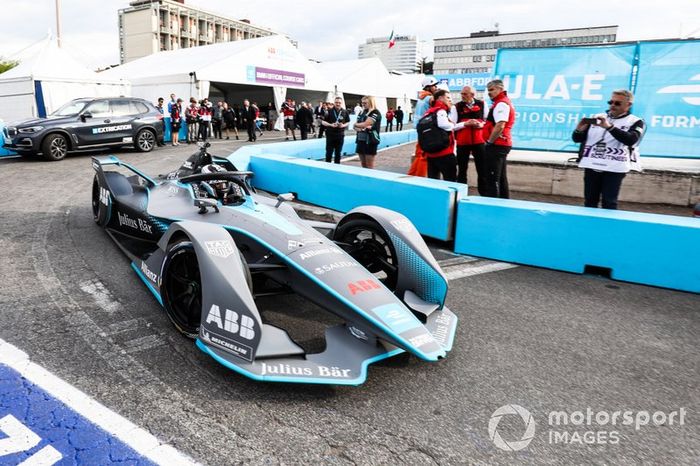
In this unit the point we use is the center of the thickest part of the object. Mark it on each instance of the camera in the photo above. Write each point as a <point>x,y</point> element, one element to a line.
<point>589,121</point>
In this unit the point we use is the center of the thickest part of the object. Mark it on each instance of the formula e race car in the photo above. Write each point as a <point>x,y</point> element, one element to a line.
<point>209,247</point>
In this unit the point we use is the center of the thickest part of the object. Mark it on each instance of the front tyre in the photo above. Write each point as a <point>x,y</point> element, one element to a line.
<point>181,289</point>
<point>369,244</point>
<point>145,140</point>
<point>54,147</point>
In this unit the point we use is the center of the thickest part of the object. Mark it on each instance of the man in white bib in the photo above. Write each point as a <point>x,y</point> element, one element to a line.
<point>609,149</point>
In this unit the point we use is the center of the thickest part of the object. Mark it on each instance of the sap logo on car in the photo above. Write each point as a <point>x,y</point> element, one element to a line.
<point>231,323</point>
<point>362,286</point>
<point>137,224</point>
<point>110,129</point>
<point>320,371</point>
<point>333,266</point>
<point>318,252</point>
<point>187,165</point>
<point>104,196</point>
<point>220,248</point>
<point>149,273</point>
<point>402,224</point>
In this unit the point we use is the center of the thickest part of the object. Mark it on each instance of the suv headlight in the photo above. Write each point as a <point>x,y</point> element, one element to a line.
<point>31,129</point>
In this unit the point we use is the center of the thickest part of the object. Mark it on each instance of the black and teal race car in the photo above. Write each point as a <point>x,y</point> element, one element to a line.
<point>209,247</point>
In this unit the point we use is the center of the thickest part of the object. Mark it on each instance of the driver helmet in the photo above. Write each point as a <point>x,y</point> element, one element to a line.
<point>429,81</point>
<point>226,191</point>
<point>220,186</point>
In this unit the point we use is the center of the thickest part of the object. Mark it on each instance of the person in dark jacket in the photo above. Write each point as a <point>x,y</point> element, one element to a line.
<point>229,117</point>
<point>398,114</point>
<point>335,121</point>
<point>248,115</point>
<point>304,119</point>
<point>470,139</point>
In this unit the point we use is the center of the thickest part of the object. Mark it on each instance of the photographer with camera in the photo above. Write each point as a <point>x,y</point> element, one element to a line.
<point>609,149</point>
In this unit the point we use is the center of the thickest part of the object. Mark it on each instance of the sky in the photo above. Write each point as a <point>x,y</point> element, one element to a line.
<point>333,30</point>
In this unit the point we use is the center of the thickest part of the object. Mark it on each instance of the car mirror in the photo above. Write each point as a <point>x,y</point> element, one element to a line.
<point>284,198</point>
<point>85,115</point>
<point>203,204</point>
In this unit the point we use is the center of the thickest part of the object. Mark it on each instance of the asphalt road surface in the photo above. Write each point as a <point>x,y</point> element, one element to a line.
<point>582,347</point>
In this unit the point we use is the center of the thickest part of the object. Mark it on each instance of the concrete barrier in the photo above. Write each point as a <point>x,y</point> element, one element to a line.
<point>342,188</point>
<point>658,250</point>
<point>4,152</point>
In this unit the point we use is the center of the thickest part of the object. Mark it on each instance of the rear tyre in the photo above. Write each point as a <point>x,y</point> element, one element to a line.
<point>54,147</point>
<point>145,140</point>
<point>370,245</point>
<point>100,202</point>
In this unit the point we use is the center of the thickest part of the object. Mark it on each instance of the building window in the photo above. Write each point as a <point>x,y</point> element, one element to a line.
<point>476,58</point>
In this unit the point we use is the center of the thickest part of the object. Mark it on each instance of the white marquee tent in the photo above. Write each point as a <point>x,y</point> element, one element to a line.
<point>47,77</point>
<point>266,69</point>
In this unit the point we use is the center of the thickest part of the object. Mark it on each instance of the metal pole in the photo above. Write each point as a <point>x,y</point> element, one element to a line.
<point>58,22</point>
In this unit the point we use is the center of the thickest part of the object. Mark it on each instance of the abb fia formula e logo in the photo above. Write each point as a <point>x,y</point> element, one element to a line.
<point>691,91</point>
<point>513,445</point>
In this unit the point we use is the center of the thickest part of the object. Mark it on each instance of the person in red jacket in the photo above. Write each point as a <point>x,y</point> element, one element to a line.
<point>470,139</point>
<point>389,120</point>
<point>443,162</point>
<point>499,142</point>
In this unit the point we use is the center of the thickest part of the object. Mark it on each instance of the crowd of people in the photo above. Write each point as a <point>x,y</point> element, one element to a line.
<point>609,142</point>
<point>472,129</point>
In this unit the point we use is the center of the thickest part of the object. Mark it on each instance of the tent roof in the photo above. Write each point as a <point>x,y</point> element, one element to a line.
<point>46,61</point>
<point>367,76</point>
<point>224,62</point>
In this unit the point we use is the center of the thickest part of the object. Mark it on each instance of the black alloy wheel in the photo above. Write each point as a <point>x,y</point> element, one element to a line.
<point>145,140</point>
<point>182,288</point>
<point>54,147</point>
<point>369,244</point>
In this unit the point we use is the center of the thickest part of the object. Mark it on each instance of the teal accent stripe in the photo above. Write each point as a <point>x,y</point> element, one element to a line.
<point>148,284</point>
<point>308,380</point>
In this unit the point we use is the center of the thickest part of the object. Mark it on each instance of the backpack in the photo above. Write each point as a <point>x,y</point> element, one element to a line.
<point>431,138</point>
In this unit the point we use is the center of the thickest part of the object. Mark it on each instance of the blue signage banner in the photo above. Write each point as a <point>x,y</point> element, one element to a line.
<point>457,81</point>
<point>667,96</point>
<point>553,88</point>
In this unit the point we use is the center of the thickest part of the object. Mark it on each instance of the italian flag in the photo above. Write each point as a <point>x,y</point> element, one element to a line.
<point>392,42</point>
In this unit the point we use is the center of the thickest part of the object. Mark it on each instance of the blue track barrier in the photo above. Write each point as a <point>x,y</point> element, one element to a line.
<point>167,132</point>
<point>342,188</point>
<point>4,152</point>
<point>658,250</point>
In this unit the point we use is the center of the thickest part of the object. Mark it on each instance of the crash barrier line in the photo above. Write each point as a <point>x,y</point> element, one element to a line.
<point>47,419</point>
<point>651,249</point>
<point>343,187</point>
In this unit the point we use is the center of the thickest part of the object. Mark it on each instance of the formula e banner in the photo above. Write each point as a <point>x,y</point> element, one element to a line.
<point>553,88</point>
<point>667,96</point>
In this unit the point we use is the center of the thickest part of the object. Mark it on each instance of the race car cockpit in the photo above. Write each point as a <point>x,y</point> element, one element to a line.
<point>228,192</point>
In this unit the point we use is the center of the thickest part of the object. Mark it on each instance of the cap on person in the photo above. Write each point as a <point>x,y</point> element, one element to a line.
<point>428,81</point>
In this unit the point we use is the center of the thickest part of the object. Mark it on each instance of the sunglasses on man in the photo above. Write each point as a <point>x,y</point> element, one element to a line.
<point>616,103</point>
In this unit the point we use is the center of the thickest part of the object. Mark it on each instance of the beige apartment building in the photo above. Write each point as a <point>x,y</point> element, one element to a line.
<point>149,26</point>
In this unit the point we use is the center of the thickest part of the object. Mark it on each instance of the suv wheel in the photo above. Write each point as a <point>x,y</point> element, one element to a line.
<point>145,140</point>
<point>54,147</point>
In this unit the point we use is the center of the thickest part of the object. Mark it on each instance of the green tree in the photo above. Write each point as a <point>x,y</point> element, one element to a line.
<point>7,65</point>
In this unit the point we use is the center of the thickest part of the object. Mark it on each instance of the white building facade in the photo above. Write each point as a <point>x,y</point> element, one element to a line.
<point>477,52</point>
<point>404,57</point>
<point>149,26</point>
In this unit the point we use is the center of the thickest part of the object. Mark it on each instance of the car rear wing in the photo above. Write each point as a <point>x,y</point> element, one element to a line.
<point>101,161</point>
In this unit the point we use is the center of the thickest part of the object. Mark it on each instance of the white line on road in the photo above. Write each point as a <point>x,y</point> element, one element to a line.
<point>135,437</point>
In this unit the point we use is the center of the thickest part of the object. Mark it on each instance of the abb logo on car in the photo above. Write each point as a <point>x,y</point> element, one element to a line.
<point>361,286</point>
